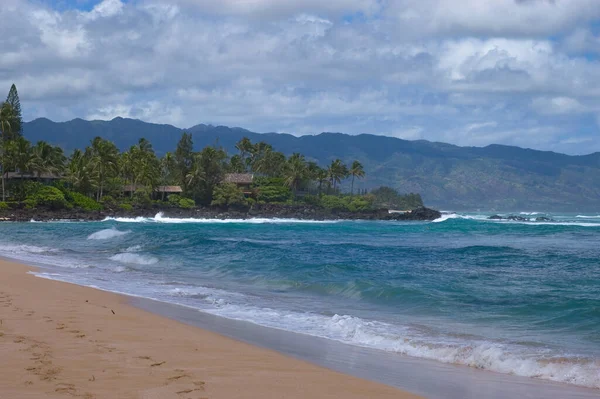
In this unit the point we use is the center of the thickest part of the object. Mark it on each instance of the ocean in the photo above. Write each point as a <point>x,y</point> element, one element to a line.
<point>513,297</point>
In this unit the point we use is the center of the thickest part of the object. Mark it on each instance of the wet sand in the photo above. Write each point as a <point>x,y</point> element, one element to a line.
<point>61,340</point>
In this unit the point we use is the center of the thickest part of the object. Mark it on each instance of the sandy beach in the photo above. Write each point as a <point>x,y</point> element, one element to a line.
<point>61,340</point>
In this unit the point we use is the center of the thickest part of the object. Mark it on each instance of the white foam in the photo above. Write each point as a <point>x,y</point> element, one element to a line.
<point>588,217</point>
<point>134,248</point>
<point>160,218</point>
<point>107,234</point>
<point>486,355</point>
<point>134,259</point>
<point>493,356</point>
<point>25,249</point>
<point>482,355</point>
<point>443,218</point>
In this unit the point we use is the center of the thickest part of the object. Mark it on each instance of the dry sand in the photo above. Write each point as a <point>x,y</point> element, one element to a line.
<point>60,340</point>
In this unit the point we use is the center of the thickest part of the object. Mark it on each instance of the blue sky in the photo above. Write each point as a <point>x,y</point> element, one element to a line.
<point>517,72</point>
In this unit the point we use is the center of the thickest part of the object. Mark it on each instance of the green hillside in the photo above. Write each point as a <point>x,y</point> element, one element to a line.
<point>450,177</point>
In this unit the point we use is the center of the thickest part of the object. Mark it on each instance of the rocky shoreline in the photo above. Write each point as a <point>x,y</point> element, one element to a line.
<point>258,211</point>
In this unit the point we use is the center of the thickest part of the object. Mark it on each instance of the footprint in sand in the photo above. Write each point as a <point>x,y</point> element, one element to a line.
<point>157,364</point>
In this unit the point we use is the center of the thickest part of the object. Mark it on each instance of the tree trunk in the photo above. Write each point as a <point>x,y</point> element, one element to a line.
<point>352,189</point>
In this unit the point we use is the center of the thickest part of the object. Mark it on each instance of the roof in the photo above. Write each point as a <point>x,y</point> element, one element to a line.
<point>239,178</point>
<point>160,189</point>
<point>44,175</point>
<point>169,189</point>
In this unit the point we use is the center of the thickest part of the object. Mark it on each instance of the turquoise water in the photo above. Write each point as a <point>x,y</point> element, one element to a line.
<point>512,297</point>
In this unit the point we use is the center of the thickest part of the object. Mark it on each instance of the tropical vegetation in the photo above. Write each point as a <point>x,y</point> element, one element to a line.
<point>101,176</point>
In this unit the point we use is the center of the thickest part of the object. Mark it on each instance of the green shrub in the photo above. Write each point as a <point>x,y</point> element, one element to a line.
<point>358,204</point>
<point>269,181</point>
<point>187,203</point>
<point>126,207</point>
<point>333,202</point>
<point>228,194</point>
<point>173,200</point>
<point>20,190</point>
<point>4,206</point>
<point>141,199</point>
<point>274,194</point>
<point>84,202</point>
<point>311,199</point>
<point>108,202</point>
<point>50,197</point>
<point>30,203</point>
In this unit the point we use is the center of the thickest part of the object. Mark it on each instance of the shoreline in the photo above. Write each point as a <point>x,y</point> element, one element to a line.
<point>269,212</point>
<point>63,339</point>
<point>332,369</point>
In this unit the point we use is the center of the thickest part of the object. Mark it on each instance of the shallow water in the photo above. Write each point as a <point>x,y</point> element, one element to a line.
<point>520,298</point>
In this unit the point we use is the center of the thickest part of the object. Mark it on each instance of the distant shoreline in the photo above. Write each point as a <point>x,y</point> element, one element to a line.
<point>266,211</point>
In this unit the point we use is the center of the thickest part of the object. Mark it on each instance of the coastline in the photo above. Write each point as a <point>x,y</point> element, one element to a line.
<point>260,211</point>
<point>60,339</point>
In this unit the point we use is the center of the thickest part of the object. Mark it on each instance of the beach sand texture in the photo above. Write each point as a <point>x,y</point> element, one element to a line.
<point>60,340</point>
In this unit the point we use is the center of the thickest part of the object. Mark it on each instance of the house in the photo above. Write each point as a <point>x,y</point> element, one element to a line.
<point>242,180</point>
<point>43,177</point>
<point>160,191</point>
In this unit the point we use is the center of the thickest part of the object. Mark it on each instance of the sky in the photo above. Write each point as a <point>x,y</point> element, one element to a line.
<point>466,72</point>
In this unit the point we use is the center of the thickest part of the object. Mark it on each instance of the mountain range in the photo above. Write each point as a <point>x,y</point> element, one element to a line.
<point>496,177</point>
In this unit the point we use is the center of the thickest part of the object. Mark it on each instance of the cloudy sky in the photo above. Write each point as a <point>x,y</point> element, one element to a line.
<point>468,72</point>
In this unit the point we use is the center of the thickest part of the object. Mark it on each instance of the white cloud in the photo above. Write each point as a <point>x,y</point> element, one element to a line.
<point>412,69</point>
<point>558,105</point>
<point>281,9</point>
<point>507,18</point>
<point>105,9</point>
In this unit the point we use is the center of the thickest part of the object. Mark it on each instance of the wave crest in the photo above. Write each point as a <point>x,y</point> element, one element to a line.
<point>107,234</point>
<point>160,218</point>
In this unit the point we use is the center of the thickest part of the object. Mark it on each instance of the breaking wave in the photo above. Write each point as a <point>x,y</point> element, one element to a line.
<point>107,234</point>
<point>160,218</point>
<point>134,259</point>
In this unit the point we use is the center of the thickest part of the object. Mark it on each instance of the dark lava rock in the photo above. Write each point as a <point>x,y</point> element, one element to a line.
<point>496,217</point>
<point>423,214</point>
<point>517,218</point>
<point>543,219</point>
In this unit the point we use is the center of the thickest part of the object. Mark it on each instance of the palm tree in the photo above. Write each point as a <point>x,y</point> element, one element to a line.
<point>18,152</point>
<point>46,158</point>
<point>207,171</point>
<point>270,163</point>
<point>322,177</point>
<point>236,164</point>
<point>6,117</point>
<point>168,171</point>
<point>295,171</point>
<point>144,165</point>
<point>82,172</point>
<point>337,171</point>
<point>106,155</point>
<point>245,147</point>
<point>356,170</point>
